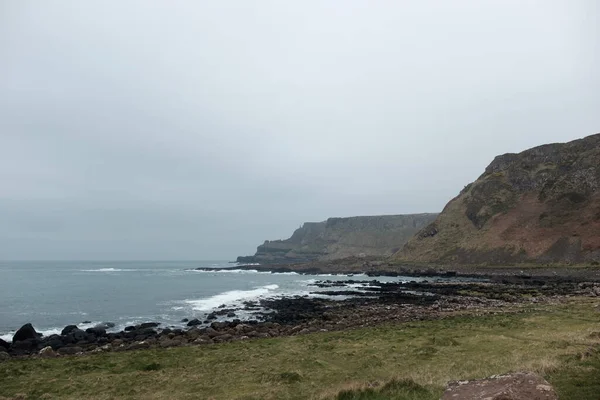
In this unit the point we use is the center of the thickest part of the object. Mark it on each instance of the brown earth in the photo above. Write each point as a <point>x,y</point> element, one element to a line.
<point>541,206</point>
<point>517,386</point>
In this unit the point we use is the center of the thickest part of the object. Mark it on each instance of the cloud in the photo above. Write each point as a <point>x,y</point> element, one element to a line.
<point>190,130</point>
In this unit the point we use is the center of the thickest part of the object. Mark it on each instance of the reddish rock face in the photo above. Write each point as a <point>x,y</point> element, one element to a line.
<point>539,206</point>
<point>517,386</point>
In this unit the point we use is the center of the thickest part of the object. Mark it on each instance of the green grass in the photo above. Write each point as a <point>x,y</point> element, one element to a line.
<point>396,361</point>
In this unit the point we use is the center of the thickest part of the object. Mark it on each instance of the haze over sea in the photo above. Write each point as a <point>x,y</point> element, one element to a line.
<point>53,294</point>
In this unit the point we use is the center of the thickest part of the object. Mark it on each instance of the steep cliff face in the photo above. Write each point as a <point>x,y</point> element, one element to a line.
<point>538,206</point>
<point>342,237</point>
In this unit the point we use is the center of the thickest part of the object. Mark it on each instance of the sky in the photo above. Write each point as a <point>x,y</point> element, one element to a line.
<point>162,130</point>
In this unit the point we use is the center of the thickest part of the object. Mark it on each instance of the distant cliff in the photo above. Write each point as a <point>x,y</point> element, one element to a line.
<point>538,206</point>
<point>340,238</point>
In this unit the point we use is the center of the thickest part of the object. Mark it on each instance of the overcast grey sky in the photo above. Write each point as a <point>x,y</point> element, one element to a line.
<point>197,129</point>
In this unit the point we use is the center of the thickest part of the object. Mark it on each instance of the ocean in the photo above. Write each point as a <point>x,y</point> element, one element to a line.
<point>53,294</point>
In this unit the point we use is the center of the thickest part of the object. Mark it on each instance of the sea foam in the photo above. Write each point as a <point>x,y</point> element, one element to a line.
<point>230,297</point>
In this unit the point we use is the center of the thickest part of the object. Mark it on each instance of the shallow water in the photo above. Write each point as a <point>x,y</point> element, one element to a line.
<point>53,294</point>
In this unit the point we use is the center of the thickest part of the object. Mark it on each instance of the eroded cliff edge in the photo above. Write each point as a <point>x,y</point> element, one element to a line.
<point>337,238</point>
<point>539,206</point>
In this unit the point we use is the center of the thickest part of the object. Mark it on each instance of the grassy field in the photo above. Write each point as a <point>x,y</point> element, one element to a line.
<point>400,361</point>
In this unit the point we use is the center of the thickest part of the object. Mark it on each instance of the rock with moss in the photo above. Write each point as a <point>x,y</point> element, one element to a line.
<point>540,206</point>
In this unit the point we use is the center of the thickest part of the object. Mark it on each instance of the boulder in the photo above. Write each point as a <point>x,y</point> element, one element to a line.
<point>96,331</point>
<point>4,356</point>
<point>4,345</point>
<point>517,386</point>
<point>25,332</point>
<point>47,352</point>
<point>193,334</point>
<point>76,335</point>
<point>68,329</point>
<point>194,322</point>
<point>54,341</point>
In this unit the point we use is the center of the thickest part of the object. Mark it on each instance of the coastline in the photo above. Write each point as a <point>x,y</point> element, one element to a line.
<point>331,306</point>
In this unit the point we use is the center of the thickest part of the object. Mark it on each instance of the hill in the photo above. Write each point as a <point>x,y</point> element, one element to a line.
<point>339,238</point>
<point>539,206</point>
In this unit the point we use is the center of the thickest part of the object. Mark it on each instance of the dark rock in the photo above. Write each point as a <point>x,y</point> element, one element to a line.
<point>129,328</point>
<point>54,341</point>
<point>149,325</point>
<point>96,331</point>
<point>219,325</point>
<point>4,345</point>
<point>194,322</point>
<point>24,346</point>
<point>185,320</point>
<point>25,332</point>
<point>68,329</point>
<point>231,315</point>
<point>76,335</point>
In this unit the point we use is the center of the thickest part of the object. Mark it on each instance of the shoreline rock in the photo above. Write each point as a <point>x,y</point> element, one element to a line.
<point>372,304</point>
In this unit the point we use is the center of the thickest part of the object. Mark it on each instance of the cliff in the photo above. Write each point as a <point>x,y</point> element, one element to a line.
<point>539,206</point>
<point>340,238</point>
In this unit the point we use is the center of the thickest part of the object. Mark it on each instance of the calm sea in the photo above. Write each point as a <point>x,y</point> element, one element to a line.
<point>53,294</point>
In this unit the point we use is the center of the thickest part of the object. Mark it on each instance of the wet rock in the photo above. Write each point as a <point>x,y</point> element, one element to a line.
<point>47,352</point>
<point>54,341</point>
<point>68,329</point>
<point>4,345</point>
<point>76,335</point>
<point>129,328</point>
<point>185,320</point>
<point>194,322</point>
<point>517,386</point>
<point>148,325</point>
<point>24,333</point>
<point>96,331</point>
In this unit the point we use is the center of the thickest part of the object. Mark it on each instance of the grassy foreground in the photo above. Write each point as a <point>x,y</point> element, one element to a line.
<point>400,361</point>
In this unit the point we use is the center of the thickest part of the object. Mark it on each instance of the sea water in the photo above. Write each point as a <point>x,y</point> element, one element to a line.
<point>52,294</point>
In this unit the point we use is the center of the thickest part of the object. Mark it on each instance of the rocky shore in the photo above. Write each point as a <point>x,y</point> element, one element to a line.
<point>344,305</point>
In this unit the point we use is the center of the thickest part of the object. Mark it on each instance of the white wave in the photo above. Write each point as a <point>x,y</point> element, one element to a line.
<point>230,271</point>
<point>108,270</point>
<point>230,297</point>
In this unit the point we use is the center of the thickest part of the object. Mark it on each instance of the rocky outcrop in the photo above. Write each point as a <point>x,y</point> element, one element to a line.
<point>538,206</point>
<point>517,386</point>
<point>339,238</point>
